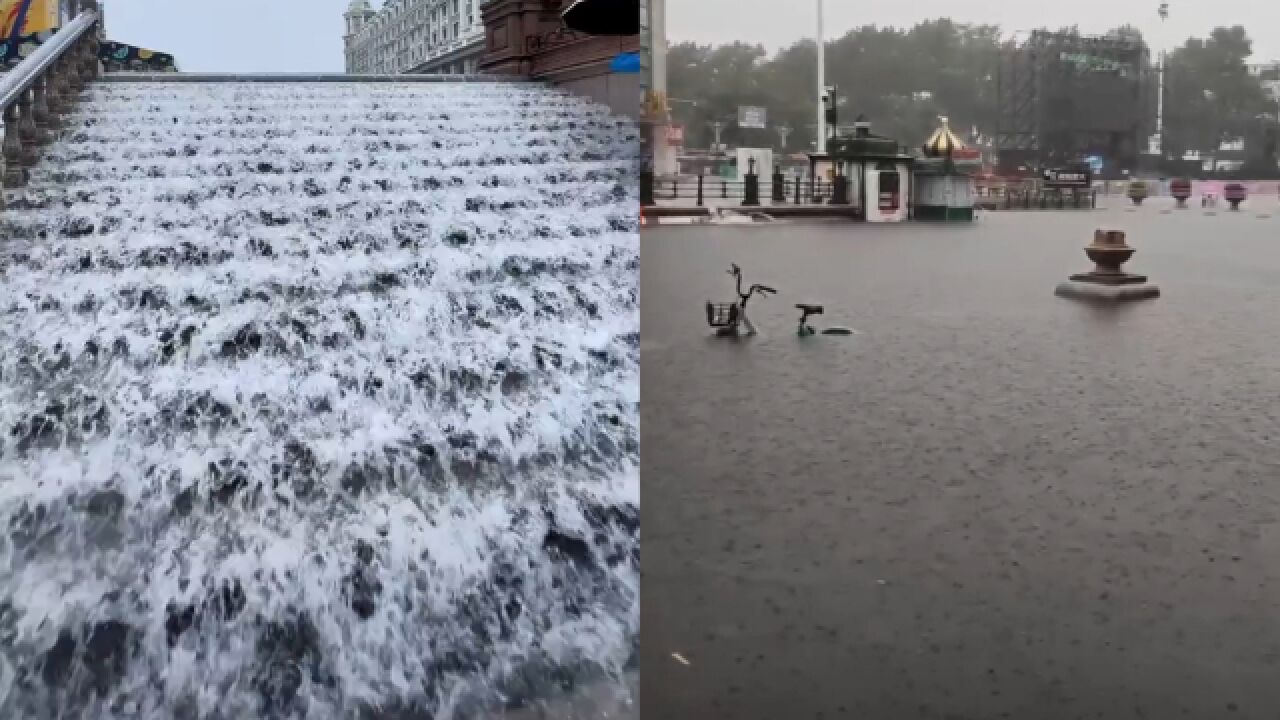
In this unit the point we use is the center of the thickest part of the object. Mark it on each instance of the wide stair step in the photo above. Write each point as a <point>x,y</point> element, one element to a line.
<point>329,375</point>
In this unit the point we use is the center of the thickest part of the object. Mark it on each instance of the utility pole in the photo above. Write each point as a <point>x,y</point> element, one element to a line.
<point>822,85</point>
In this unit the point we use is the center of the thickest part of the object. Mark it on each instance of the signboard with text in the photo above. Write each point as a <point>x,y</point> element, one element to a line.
<point>1074,177</point>
<point>752,117</point>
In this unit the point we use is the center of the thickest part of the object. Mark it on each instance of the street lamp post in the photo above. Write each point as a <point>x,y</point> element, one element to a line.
<point>716,127</point>
<point>1164,55</point>
<point>822,85</point>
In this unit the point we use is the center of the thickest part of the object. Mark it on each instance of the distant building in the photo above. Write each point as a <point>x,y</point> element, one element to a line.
<point>414,36</point>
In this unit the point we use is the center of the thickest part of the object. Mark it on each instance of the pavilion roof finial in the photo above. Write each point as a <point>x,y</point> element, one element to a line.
<point>943,142</point>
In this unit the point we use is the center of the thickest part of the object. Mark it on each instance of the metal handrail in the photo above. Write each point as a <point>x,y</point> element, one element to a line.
<point>19,80</point>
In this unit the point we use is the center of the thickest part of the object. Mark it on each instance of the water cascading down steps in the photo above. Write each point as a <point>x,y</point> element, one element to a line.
<point>318,398</point>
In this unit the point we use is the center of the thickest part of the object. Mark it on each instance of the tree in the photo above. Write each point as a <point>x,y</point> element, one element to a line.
<point>903,78</point>
<point>1210,95</point>
<point>707,84</point>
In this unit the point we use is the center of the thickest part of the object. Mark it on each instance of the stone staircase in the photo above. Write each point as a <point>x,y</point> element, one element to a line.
<point>318,398</point>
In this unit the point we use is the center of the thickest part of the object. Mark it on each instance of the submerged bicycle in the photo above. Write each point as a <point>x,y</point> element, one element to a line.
<point>730,319</point>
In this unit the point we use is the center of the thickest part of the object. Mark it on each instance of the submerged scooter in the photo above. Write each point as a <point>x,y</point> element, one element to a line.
<point>730,319</point>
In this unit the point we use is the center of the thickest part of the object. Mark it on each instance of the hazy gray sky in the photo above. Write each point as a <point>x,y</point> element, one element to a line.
<point>235,35</point>
<point>777,23</point>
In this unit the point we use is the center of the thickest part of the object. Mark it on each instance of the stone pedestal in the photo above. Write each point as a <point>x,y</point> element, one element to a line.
<point>1108,281</point>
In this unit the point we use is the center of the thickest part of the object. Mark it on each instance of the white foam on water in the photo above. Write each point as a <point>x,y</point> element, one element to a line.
<point>319,397</point>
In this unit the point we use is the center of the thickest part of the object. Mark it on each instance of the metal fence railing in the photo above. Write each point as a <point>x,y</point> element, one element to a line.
<point>997,198</point>
<point>700,190</point>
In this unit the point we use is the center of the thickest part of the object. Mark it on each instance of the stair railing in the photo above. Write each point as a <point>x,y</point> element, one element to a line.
<point>42,88</point>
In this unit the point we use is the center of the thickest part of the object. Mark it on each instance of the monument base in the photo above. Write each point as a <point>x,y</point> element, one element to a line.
<point>1106,278</point>
<point>1096,292</point>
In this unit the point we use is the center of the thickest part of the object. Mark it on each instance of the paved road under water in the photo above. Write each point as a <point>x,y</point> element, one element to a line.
<point>992,502</point>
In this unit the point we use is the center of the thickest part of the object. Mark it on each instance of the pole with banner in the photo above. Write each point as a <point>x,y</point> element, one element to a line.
<point>821,145</point>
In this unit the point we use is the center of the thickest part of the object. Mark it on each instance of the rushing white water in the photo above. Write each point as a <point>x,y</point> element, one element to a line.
<point>319,399</point>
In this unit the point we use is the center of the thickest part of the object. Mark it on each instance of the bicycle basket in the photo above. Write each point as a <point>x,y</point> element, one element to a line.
<point>721,315</point>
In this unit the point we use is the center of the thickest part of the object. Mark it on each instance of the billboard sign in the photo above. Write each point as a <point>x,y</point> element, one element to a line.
<point>1077,176</point>
<point>752,117</point>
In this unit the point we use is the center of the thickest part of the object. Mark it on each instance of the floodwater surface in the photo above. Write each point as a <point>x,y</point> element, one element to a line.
<point>989,503</point>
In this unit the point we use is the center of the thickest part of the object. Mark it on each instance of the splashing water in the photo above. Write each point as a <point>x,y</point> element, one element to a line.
<point>319,399</point>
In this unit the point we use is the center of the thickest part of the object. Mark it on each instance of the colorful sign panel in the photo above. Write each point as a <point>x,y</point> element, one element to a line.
<point>27,17</point>
<point>119,56</point>
<point>24,24</point>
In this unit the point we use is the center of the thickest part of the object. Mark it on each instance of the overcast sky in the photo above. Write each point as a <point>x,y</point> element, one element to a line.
<point>235,35</point>
<point>767,23</point>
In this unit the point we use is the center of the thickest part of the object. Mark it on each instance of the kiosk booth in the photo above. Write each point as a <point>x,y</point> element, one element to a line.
<point>871,173</point>
<point>944,177</point>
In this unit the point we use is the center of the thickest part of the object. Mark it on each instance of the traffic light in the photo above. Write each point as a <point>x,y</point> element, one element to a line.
<point>829,103</point>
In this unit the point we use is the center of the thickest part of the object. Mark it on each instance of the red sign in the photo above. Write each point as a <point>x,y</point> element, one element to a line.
<point>675,135</point>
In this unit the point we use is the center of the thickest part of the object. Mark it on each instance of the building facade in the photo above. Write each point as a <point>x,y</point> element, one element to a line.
<point>529,38</point>
<point>414,36</point>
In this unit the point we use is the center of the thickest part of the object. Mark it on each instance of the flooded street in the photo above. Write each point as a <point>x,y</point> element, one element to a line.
<point>988,503</point>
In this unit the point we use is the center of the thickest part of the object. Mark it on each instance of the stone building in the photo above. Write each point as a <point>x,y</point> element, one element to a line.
<point>529,38</point>
<point>414,36</point>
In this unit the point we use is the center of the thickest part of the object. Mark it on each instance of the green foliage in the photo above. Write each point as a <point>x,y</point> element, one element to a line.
<point>903,78</point>
<point>1210,97</point>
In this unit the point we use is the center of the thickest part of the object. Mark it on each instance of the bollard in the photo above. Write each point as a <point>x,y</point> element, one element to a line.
<point>840,190</point>
<point>751,186</point>
<point>778,189</point>
<point>700,189</point>
<point>675,188</point>
<point>797,190</point>
<point>724,189</point>
<point>1234,193</point>
<point>646,188</point>
<point>751,190</point>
